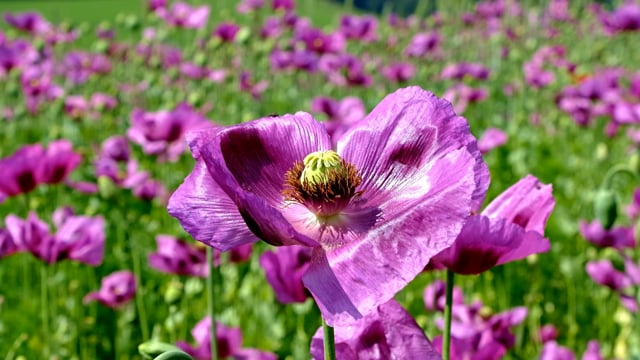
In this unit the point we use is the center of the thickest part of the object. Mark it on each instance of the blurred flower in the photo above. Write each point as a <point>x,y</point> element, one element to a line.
<point>626,17</point>
<point>76,106</point>
<point>7,245</point>
<point>617,237</point>
<point>101,101</point>
<point>250,176</point>
<point>33,165</point>
<point>117,289</point>
<point>602,272</point>
<point>491,139</point>
<point>162,133</point>
<point>465,69</point>
<point>286,5</point>
<point>30,21</point>
<point>317,41</point>
<point>424,44</point>
<point>552,351</point>
<point>79,66</point>
<point>226,31</point>
<point>228,343</point>
<point>341,114</point>
<point>478,336</point>
<point>434,296</point>
<point>183,15</point>
<point>79,238</point>
<point>593,351</point>
<point>284,269</point>
<point>534,72</point>
<point>461,95</point>
<point>176,256</point>
<point>398,72</point>
<point>38,86</point>
<point>548,333</point>
<point>388,332</point>
<point>248,85</point>
<point>361,28</point>
<point>247,6</point>
<point>510,228</point>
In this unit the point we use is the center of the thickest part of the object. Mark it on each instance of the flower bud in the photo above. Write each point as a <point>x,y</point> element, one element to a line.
<point>605,206</point>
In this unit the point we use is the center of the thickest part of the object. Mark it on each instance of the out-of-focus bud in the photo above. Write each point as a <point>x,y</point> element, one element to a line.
<point>605,206</point>
<point>106,187</point>
<point>153,349</point>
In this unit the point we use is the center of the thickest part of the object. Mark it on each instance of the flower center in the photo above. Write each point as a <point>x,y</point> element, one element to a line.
<point>323,182</point>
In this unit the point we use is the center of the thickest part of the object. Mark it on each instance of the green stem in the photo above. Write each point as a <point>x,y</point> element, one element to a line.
<point>212,298</point>
<point>329,341</point>
<point>446,338</point>
<point>142,314</point>
<point>44,309</point>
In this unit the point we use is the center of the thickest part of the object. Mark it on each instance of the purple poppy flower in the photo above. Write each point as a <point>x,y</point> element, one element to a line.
<point>461,95</point>
<point>22,171</point>
<point>398,72</point>
<point>30,21</point>
<point>116,148</point>
<point>247,6</point>
<point>76,106</point>
<point>593,351</point>
<point>59,161</point>
<point>552,351</point>
<point>361,28</point>
<point>284,269</point>
<point>32,234</point>
<point>603,273</point>
<point>474,336</point>
<point>101,101</point>
<point>558,10</point>
<point>271,28</point>
<point>80,66</point>
<point>248,85</point>
<point>388,332</point>
<point>286,5</point>
<point>184,15</point>
<point>424,44</point>
<point>625,17</point>
<point>317,41</point>
<point>153,5</point>
<point>38,86</point>
<point>434,296</point>
<point>344,70</point>
<point>510,228</point>
<point>226,31</point>
<point>162,133</point>
<point>460,70</point>
<point>175,256</point>
<point>617,237</point>
<point>81,238</point>
<point>117,289</point>
<point>251,175</point>
<point>548,333</point>
<point>7,245</point>
<point>491,139</point>
<point>228,343</point>
<point>341,114</point>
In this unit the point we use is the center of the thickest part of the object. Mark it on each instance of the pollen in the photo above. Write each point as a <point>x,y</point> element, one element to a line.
<point>323,182</point>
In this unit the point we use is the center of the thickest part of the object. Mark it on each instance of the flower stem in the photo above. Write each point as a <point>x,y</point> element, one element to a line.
<point>212,298</point>
<point>446,338</point>
<point>44,309</point>
<point>142,314</point>
<point>329,341</point>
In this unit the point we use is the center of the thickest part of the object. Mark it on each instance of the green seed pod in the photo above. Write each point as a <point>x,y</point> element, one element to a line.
<point>152,349</point>
<point>605,206</point>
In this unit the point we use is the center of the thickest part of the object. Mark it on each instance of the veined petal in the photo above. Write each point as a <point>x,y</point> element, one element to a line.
<point>400,140</point>
<point>484,243</point>
<point>207,213</point>
<point>527,203</point>
<point>249,162</point>
<point>371,269</point>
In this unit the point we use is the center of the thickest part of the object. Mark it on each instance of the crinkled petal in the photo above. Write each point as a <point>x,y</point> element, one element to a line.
<point>527,203</point>
<point>207,213</point>
<point>371,269</point>
<point>484,243</point>
<point>249,162</point>
<point>404,136</point>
